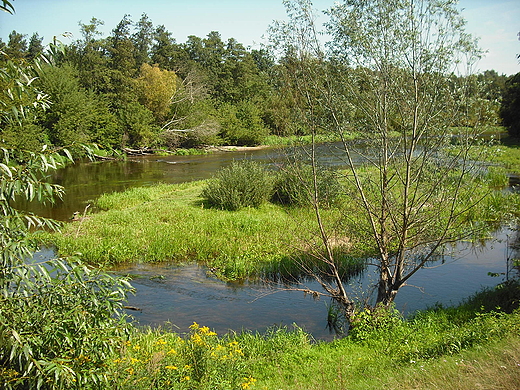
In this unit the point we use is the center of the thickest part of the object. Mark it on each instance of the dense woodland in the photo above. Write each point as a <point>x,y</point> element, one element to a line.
<point>140,88</point>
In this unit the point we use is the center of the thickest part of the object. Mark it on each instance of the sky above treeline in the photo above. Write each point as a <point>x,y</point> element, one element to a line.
<point>495,22</point>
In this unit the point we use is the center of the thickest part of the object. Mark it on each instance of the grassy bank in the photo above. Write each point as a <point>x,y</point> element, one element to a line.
<point>169,223</point>
<point>475,345</point>
<point>507,154</point>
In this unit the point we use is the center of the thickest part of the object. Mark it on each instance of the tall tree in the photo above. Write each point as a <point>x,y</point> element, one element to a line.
<point>163,48</point>
<point>17,45</point>
<point>121,48</point>
<point>142,40</point>
<point>395,60</point>
<point>89,57</point>
<point>510,110</point>
<point>35,46</point>
<point>157,89</point>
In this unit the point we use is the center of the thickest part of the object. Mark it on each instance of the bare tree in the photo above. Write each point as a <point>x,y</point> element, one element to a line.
<point>390,73</point>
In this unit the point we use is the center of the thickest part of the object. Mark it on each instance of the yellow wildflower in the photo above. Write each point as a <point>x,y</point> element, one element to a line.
<point>136,347</point>
<point>160,342</point>
<point>197,339</point>
<point>171,352</point>
<point>171,367</point>
<point>194,326</point>
<point>248,382</point>
<point>205,330</point>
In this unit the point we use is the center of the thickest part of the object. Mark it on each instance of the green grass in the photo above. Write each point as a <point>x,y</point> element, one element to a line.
<point>169,223</point>
<point>500,150</point>
<point>274,140</point>
<point>505,154</point>
<point>443,348</point>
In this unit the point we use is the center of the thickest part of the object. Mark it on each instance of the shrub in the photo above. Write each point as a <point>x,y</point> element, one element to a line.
<point>59,322</point>
<point>242,124</point>
<point>242,184</point>
<point>295,185</point>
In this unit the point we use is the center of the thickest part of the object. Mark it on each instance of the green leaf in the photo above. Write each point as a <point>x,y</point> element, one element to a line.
<point>7,170</point>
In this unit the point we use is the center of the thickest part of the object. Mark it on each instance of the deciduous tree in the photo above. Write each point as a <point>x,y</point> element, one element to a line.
<point>392,63</point>
<point>157,88</point>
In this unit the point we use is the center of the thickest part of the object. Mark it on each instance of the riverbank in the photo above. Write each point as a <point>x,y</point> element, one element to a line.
<point>474,345</point>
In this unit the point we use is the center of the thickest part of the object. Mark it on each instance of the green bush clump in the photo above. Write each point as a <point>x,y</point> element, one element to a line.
<point>295,185</point>
<point>243,184</point>
<point>59,323</point>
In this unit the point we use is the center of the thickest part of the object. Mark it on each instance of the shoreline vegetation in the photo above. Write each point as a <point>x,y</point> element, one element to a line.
<point>463,347</point>
<point>497,147</point>
<point>174,223</point>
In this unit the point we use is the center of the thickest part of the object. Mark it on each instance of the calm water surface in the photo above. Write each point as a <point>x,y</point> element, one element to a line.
<point>182,294</point>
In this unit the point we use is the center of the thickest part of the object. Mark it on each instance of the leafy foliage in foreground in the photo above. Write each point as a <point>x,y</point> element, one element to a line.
<point>59,322</point>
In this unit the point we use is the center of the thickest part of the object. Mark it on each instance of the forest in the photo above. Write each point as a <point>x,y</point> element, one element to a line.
<point>139,88</point>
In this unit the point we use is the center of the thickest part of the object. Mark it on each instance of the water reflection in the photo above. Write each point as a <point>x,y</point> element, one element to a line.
<point>183,294</point>
<point>85,181</point>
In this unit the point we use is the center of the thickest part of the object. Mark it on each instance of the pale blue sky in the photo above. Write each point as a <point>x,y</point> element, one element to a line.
<point>496,22</point>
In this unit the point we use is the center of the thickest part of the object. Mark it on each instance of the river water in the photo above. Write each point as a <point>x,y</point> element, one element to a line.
<point>178,295</point>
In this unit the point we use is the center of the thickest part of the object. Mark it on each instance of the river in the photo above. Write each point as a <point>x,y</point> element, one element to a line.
<point>178,295</point>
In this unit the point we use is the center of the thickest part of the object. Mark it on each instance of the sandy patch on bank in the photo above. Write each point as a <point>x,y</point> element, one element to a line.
<point>230,148</point>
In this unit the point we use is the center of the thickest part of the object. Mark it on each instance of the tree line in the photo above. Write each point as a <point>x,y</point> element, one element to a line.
<point>138,87</point>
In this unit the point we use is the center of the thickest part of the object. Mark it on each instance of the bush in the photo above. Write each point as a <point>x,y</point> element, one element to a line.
<point>295,186</point>
<point>59,323</point>
<point>242,184</point>
<point>242,124</point>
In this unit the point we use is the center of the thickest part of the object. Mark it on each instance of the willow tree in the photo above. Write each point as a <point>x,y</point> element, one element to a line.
<point>53,312</point>
<point>390,73</point>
